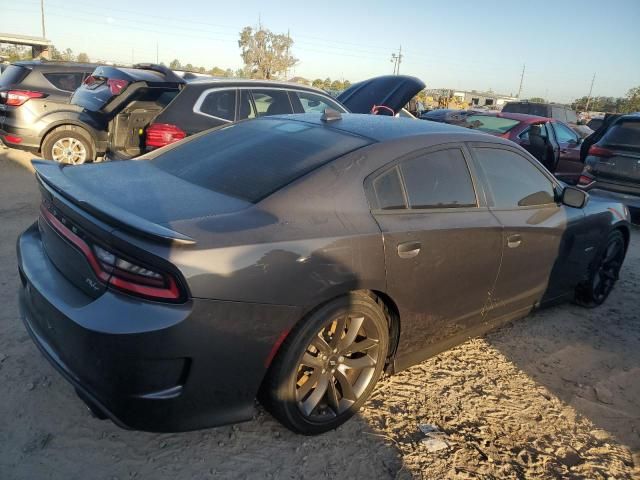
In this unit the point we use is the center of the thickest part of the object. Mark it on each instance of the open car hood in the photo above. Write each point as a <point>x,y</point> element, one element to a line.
<point>393,91</point>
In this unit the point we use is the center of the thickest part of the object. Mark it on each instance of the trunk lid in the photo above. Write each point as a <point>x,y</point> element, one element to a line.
<point>620,149</point>
<point>392,91</point>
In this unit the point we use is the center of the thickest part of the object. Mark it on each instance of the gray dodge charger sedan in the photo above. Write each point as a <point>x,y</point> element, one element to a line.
<point>293,259</point>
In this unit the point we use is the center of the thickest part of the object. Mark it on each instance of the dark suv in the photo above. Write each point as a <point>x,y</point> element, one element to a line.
<point>33,97</point>
<point>612,163</point>
<point>548,110</point>
<point>124,112</point>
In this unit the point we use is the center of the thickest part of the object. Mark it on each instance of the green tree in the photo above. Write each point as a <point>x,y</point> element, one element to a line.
<point>228,73</point>
<point>537,100</point>
<point>68,55</point>
<point>239,73</point>
<point>632,102</point>
<point>337,85</point>
<point>346,84</point>
<point>326,84</point>
<point>217,72</point>
<point>188,67</point>
<point>264,53</point>
<point>83,57</point>
<point>175,64</point>
<point>318,83</point>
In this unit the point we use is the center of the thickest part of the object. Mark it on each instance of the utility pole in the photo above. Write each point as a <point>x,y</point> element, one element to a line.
<point>286,70</point>
<point>44,32</point>
<point>586,109</point>
<point>397,60</point>
<point>157,49</point>
<point>521,80</point>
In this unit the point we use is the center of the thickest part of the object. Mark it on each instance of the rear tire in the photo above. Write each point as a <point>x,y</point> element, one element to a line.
<point>69,144</point>
<point>320,378</point>
<point>603,272</point>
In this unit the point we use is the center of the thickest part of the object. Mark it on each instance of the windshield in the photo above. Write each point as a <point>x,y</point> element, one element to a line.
<point>488,124</point>
<point>251,160</point>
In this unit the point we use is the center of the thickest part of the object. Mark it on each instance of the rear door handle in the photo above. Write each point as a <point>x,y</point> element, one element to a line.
<point>409,249</point>
<point>514,241</point>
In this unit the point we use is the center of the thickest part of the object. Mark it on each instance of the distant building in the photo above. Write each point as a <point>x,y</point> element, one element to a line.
<point>489,99</point>
<point>451,98</point>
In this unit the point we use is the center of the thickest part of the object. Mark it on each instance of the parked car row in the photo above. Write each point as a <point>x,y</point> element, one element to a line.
<point>78,113</point>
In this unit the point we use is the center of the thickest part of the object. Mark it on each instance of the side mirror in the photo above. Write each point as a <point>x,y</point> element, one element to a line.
<point>574,197</point>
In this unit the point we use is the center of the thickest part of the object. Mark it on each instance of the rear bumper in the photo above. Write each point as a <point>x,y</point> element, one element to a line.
<point>148,365</point>
<point>28,140</point>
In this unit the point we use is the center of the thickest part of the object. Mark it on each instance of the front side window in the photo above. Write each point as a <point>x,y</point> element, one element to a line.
<point>539,128</point>
<point>271,102</point>
<point>220,104</point>
<point>564,134</point>
<point>513,180</point>
<point>312,102</point>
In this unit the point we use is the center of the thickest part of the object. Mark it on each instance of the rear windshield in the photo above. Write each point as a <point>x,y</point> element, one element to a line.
<point>527,108</point>
<point>488,124</point>
<point>13,75</point>
<point>253,159</point>
<point>624,134</point>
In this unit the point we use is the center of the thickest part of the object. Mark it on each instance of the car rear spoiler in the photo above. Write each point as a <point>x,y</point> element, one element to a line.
<point>51,177</point>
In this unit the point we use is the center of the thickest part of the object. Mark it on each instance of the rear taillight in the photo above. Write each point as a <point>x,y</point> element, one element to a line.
<point>15,98</point>
<point>161,134</point>
<point>116,85</point>
<point>585,180</point>
<point>90,80</point>
<point>597,151</point>
<point>113,269</point>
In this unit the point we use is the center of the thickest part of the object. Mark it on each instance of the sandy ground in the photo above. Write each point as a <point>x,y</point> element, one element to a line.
<point>556,395</point>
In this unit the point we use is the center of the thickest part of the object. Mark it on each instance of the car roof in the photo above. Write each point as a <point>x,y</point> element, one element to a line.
<point>54,65</point>
<point>240,82</point>
<point>382,128</point>
<point>521,117</point>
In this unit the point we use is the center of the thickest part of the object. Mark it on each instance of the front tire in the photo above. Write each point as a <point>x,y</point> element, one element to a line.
<point>69,144</point>
<point>328,365</point>
<point>603,272</point>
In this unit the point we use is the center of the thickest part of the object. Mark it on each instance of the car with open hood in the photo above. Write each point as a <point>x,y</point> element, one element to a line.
<point>125,112</point>
<point>294,259</point>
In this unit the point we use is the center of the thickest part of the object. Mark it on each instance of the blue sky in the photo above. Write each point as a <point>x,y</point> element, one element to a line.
<point>463,45</point>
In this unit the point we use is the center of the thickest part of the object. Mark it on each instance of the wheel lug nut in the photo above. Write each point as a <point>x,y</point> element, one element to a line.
<point>341,358</point>
<point>324,357</point>
<point>335,350</point>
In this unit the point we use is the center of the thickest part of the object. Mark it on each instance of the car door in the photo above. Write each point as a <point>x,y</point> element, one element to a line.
<point>569,165</point>
<point>523,199</point>
<point>442,245</point>
<point>546,154</point>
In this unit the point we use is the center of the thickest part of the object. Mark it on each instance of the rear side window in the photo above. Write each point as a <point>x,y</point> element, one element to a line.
<point>271,102</point>
<point>624,134</point>
<point>67,81</point>
<point>513,180</point>
<point>564,134</point>
<point>438,180</point>
<point>220,104</point>
<point>312,102</point>
<point>13,75</point>
<point>388,191</point>
<point>250,160</point>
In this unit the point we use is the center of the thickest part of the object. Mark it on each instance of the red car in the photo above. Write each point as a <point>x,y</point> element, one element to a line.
<point>551,141</point>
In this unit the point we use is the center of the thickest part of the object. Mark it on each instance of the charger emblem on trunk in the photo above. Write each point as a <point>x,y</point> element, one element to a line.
<point>92,284</point>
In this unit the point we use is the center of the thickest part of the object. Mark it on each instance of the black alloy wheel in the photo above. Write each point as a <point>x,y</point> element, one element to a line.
<point>329,365</point>
<point>604,271</point>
